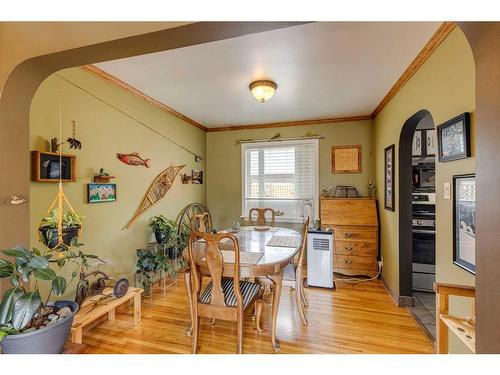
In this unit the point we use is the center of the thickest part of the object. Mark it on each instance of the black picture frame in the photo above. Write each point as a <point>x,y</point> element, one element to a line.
<point>456,133</point>
<point>91,191</point>
<point>464,221</point>
<point>389,176</point>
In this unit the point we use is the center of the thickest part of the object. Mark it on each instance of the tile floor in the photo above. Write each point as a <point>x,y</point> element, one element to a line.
<point>424,310</point>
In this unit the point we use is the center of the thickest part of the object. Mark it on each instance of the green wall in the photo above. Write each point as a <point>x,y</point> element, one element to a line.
<point>224,162</point>
<point>445,86</point>
<point>104,132</point>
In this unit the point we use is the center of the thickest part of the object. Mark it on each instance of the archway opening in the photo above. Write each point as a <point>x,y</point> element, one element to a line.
<point>412,150</point>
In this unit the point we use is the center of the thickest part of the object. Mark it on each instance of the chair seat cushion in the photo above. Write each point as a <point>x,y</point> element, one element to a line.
<point>248,290</point>
<point>289,272</point>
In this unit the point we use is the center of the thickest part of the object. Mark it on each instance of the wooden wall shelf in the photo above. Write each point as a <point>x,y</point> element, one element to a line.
<point>463,328</point>
<point>45,167</point>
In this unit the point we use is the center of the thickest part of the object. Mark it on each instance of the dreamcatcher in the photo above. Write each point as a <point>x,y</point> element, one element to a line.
<point>60,228</point>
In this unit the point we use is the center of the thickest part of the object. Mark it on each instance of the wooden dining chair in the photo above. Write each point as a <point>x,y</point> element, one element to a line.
<point>294,275</point>
<point>202,223</point>
<point>261,216</point>
<point>225,298</point>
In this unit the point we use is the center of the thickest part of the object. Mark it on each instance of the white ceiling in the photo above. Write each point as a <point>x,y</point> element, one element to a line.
<point>323,70</point>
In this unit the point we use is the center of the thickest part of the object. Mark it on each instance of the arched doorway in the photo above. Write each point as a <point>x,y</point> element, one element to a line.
<point>405,158</point>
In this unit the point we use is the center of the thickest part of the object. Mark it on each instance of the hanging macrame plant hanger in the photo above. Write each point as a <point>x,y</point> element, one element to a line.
<point>58,202</point>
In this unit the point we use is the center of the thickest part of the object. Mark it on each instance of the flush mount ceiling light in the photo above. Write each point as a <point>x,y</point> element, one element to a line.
<point>263,90</point>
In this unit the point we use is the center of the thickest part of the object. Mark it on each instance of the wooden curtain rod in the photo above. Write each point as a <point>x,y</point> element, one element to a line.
<point>240,141</point>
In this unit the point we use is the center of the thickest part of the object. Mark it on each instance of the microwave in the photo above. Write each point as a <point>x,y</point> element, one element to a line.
<point>424,176</point>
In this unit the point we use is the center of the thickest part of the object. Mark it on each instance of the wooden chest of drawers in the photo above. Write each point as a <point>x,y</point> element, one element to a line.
<point>355,226</point>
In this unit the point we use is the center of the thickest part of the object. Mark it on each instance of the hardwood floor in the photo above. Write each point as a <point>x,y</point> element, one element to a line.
<point>353,319</point>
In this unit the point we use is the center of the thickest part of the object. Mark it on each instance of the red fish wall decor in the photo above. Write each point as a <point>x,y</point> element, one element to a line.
<point>133,159</point>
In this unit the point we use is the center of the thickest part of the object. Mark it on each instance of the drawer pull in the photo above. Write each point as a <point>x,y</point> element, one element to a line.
<point>348,234</point>
<point>348,261</point>
<point>348,248</point>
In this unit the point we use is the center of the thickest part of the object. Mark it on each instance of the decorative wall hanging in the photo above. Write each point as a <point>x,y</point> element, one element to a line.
<point>464,222</point>
<point>454,138</point>
<point>196,177</point>
<point>73,142</point>
<point>156,191</point>
<point>97,193</point>
<point>15,200</point>
<point>389,175</point>
<point>133,159</point>
<point>346,159</point>
<point>103,177</point>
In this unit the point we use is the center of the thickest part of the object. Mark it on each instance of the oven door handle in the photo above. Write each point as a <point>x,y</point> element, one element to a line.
<point>424,231</point>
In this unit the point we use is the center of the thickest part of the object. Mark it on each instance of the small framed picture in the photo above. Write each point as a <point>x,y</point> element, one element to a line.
<point>97,193</point>
<point>464,222</point>
<point>389,175</point>
<point>454,138</point>
<point>196,177</point>
<point>346,159</point>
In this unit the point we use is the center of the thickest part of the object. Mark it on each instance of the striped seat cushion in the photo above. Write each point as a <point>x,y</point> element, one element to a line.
<point>289,272</point>
<point>248,290</point>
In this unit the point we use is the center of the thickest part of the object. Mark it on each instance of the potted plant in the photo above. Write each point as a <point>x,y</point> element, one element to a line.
<point>30,324</point>
<point>71,224</point>
<point>162,227</point>
<point>149,262</point>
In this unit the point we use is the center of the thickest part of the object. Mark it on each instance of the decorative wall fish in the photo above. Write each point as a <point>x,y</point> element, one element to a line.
<point>14,200</point>
<point>133,159</point>
<point>156,191</point>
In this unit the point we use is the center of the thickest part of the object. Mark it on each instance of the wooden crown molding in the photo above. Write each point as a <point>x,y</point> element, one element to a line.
<point>290,123</point>
<point>139,94</point>
<point>439,36</point>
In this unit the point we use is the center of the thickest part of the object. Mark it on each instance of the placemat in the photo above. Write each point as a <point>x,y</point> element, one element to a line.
<point>252,227</point>
<point>246,257</point>
<point>284,241</point>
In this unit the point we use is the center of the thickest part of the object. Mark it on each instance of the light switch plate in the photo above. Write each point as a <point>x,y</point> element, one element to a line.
<point>446,191</point>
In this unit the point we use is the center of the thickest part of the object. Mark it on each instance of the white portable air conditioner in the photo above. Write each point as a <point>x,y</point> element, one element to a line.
<point>319,258</point>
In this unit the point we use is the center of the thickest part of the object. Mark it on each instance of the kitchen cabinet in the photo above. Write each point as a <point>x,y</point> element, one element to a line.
<point>417,143</point>
<point>424,143</point>
<point>430,144</point>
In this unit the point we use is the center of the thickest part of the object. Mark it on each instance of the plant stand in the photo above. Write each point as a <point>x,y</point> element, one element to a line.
<point>161,279</point>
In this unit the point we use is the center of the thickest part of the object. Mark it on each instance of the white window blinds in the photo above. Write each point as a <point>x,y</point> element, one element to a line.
<point>281,175</point>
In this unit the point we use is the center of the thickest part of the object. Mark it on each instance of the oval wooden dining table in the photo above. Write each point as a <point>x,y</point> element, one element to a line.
<point>271,264</point>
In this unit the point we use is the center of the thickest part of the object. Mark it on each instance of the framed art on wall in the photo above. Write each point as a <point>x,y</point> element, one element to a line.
<point>346,159</point>
<point>464,222</point>
<point>97,193</point>
<point>389,175</point>
<point>454,138</point>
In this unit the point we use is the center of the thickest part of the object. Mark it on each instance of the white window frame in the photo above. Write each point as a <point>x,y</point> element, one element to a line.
<point>283,219</point>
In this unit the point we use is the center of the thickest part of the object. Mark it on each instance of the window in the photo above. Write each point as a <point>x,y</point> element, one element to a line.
<point>281,175</point>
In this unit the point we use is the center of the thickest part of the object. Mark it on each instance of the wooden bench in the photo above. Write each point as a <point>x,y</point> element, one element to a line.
<point>90,312</point>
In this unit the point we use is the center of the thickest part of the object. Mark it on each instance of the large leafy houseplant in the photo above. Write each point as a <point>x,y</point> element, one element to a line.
<point>23,309</point>
<point>163,228</point>
<point>150,262</point>
<point>71,224</point>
